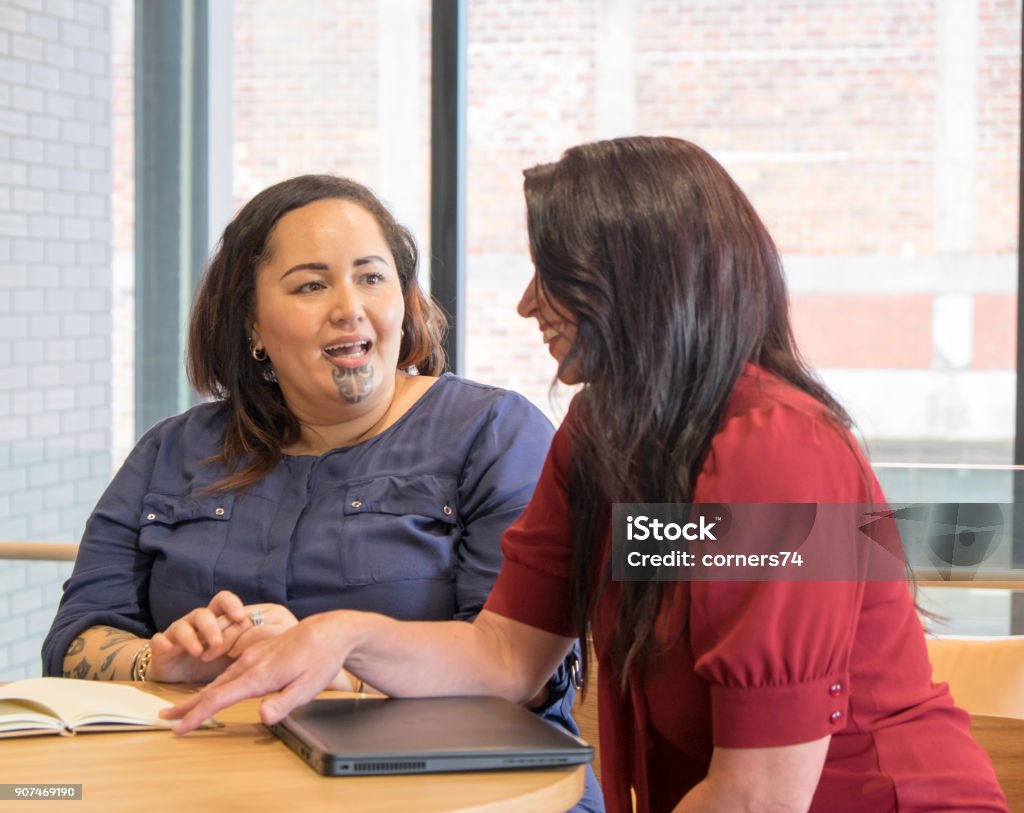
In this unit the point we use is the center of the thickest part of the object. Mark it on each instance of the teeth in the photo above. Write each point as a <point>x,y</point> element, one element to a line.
<point>347,348</point>
<point>550,334</point>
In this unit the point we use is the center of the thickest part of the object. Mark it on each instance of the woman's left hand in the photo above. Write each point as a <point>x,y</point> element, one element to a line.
<point>201,644</point>
<point>273,619</point>
<point>194,647</point>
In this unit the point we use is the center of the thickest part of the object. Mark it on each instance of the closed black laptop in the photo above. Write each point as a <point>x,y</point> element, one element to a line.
<point>365,736</point>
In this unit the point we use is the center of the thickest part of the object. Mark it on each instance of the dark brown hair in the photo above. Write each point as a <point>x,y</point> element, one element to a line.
<point>674,284</point>
<point>219,359</point>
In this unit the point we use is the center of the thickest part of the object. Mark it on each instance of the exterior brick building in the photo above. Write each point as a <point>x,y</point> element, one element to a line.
<point>879,141</point>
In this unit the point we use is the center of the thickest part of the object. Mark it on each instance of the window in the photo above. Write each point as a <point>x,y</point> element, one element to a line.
<point>878,141</point>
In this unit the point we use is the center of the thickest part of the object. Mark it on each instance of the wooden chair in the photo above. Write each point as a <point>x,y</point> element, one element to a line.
<point>986,676</point>
<point>1003,738</point>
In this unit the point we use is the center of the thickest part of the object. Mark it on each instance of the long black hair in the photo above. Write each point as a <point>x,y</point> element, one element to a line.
<point>675,285</point>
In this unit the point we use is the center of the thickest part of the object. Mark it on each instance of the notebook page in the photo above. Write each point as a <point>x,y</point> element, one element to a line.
<point>21,716</point>
<point>83,701</point>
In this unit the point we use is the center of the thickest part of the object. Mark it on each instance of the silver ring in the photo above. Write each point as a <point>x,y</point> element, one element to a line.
<point>256,616</point>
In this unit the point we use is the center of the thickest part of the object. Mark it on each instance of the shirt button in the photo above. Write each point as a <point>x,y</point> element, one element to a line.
<point>357,503</point>
<point>219,512</point>
<point>835,717</point>
<point>447,510</point>
<point>835,689</point>
<point>150,516</point>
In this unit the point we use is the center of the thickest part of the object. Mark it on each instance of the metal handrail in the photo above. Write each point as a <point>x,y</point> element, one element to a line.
<point>64,552</point>
<point>1006,578</point>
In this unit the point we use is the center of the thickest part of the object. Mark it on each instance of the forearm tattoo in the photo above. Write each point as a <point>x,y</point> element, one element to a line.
<point>79,670</point>
<point>353,385</point>
<point>106,643</point>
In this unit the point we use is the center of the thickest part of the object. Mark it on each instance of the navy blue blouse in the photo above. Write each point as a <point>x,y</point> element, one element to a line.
<point>406,523</point>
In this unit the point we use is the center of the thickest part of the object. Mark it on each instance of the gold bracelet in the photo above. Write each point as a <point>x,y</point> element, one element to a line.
<point>140,663</point>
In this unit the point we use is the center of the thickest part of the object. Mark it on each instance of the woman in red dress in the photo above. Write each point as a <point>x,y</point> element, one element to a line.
<point>659,290</point>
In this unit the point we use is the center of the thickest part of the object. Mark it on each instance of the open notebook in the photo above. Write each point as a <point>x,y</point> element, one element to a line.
<point>365,736</point>
<point>67,706</point>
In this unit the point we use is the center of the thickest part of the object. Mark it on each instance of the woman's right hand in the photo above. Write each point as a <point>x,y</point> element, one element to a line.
<point>291,668</point>
<point>194,649</point>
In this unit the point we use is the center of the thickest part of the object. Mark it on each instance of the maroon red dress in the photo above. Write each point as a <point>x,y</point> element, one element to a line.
<point>762,664</point>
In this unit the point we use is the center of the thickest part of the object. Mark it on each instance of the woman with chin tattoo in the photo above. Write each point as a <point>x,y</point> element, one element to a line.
<point>336,466</point>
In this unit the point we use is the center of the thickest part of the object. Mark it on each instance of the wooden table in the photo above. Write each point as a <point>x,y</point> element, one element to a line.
<point>243,767</point>
<point>1003,739</point>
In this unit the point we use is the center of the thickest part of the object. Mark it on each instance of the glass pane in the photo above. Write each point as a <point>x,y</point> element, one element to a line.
<point>878,141</point>
<point>983,542</point>
<point>338,86</point>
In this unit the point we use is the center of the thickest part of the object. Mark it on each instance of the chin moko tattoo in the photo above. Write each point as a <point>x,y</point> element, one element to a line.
<point>353,385</point>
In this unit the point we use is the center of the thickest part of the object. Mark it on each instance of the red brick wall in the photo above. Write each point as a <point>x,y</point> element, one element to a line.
<point>865,331</point>
<point>305,83</point>
<point>531,91</point>
<point>824,110</point>
<point>840,93</point>
<point>996,195</point>
<point>995,331</point>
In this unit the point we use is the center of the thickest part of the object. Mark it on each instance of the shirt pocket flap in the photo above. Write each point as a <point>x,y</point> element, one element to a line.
<point>422,495</point>
<point>169,509</point>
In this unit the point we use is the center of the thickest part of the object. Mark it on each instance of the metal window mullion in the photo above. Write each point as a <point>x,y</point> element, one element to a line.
<point>447,169</point>
<point>171,229</point>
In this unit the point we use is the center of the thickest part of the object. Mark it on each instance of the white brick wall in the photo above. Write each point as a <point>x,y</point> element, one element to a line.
<point>55,295</point>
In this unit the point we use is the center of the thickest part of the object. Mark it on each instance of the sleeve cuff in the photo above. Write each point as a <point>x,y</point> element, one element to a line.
<point>773,716</point>
<point>532,597</point>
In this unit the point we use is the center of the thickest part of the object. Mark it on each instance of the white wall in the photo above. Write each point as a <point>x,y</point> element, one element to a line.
<point>55,293</point>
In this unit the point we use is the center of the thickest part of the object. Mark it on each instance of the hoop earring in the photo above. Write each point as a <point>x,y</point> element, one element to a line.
<point>259,353</point>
